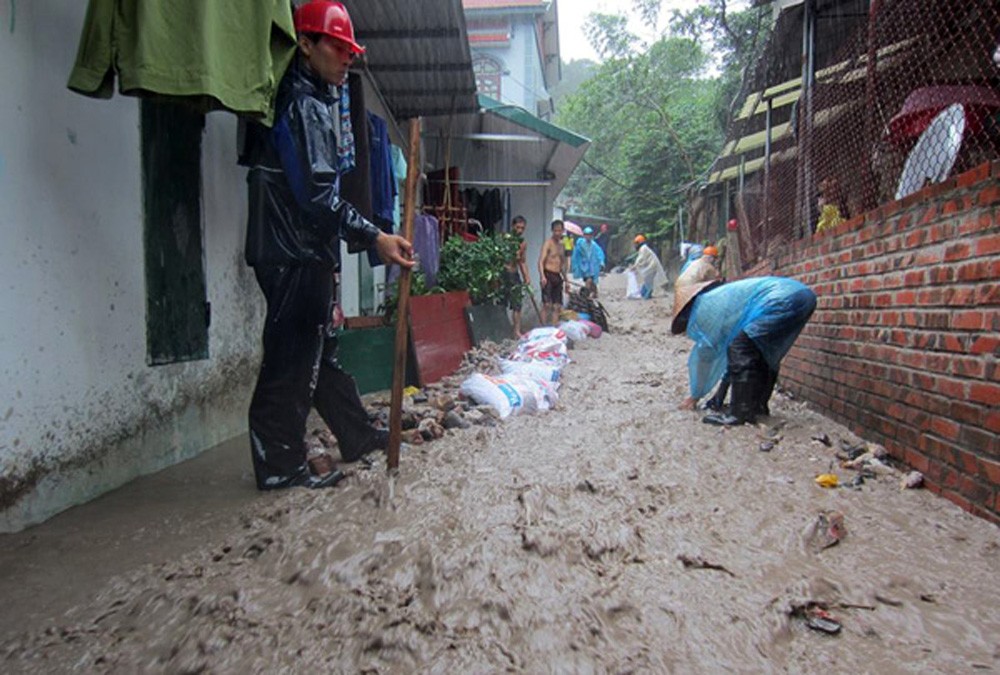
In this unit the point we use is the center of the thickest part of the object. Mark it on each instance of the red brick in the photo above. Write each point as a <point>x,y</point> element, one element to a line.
<point>958,295</point>
<point>905,298</point>
<point>988,195</point>
<point>966,413</point>
<point>992,421</point>
<point>969,320</point>
<point>971,366</point>
<point>980,441</point>
<point>944,275</point>
<point>988,245</point>
<point>968,462</point>
<point>989,471</point>
<point>960,251</point>
<point>974,491</point>
<point>973,176</point>
<point>986,344</point>
<point>916,460</point>
<point>987,393</point>
<point>945,428</point>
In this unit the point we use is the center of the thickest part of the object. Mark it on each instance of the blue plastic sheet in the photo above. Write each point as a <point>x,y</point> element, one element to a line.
<point>770,310</point>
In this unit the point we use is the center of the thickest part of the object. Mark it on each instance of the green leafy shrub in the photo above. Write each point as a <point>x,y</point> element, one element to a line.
<point>478,267</point>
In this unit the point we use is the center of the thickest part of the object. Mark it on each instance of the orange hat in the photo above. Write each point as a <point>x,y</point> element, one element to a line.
<point>639,239</point>
<point>711,250</point>
<point>700,276</point>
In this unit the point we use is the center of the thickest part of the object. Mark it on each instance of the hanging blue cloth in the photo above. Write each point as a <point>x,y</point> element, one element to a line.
<point>770,310</point>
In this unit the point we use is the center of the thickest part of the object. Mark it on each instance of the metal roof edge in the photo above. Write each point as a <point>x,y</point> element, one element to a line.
<point>522,117</point>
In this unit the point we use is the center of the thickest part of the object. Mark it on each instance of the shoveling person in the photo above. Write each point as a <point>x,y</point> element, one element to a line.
<point>296,222</point>
<point>551,261</point>
<point>647,268</point>
<point>746,326</point>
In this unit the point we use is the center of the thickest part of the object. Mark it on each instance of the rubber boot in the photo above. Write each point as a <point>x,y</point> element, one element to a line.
<point>718,400</point>
<point>765,391</point>
<point>742,408</point>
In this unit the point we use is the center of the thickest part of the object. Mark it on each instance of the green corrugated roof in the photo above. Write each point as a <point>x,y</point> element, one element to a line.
<point>525,119</point>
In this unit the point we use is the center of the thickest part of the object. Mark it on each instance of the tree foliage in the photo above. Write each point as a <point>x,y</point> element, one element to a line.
<point>656,111</point>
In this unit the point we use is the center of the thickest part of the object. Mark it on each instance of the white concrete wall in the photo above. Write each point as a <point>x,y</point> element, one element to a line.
<point>80,411</point>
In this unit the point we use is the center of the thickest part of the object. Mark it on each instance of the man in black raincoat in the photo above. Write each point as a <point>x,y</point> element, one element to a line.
<point>296,222</point>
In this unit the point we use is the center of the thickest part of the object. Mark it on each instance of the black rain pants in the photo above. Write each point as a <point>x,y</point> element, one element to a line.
<point>300,370</point>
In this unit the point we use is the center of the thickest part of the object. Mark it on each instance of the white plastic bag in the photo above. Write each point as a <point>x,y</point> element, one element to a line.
<point>508,395</point>
<point>633,290</point>
<point>576,330</point>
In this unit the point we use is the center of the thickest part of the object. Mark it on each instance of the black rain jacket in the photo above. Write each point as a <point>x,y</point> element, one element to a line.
<point>296,215</point>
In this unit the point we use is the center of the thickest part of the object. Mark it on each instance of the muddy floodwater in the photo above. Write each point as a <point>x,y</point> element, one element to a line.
<point>614,534</point>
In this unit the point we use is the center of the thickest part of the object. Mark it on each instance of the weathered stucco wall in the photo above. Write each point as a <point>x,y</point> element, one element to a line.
<point>80,411</point>
<point>905,341</point>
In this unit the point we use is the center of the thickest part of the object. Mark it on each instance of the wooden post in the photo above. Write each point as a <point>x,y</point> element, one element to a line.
<point>399,366</point>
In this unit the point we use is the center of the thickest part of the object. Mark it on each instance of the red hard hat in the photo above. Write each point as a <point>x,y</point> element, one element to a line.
<point>327,18</point>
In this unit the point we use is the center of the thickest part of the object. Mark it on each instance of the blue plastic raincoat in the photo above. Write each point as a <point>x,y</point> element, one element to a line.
<point>587,260</point>
<point>770,310</point>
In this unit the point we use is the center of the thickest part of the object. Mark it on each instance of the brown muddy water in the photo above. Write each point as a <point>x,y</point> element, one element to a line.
<point>613,534</point>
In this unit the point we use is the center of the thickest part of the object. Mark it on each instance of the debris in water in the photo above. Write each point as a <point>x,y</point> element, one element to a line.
<point>820,620</point>
<point>698,562</point>
<point>826,531</point>
<point>912,480</point>
<point>827,480</point>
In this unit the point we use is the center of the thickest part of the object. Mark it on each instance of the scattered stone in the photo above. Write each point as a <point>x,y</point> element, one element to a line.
<point>430,429</point>
<point>766,446</point>
<point>454,420</point>
<point>823,438</point>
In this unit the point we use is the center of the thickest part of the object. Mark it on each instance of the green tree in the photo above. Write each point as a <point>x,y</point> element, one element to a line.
<point>656,110</point>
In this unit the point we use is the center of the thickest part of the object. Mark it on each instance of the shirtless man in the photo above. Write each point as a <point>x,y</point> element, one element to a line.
<point>516,272</point>
<point>551,262</point>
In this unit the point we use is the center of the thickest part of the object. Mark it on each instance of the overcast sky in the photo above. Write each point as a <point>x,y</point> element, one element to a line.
<point>572,13</point>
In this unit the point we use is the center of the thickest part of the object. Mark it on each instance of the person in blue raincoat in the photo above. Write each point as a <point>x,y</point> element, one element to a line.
<point>588,260</point>
<point>745,326</point>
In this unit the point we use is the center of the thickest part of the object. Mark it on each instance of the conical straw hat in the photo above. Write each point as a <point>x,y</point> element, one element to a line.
<point>700,276</point>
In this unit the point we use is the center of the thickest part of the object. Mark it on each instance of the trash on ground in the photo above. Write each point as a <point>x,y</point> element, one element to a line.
<point>912,480</point>
<point>826,531</point>
<point>821,620</point>
<point>827,480</point>
<point>697,562</point>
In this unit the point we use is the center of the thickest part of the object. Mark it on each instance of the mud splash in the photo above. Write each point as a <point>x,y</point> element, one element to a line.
<point>615,534</point>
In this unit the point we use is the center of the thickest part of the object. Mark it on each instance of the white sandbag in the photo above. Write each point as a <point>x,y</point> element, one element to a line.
<point>545,393</point>
<point>539,369</point>
<point>576,330</point>
<point>508,395</point>
<point>542,333</point>
<point>633,290</point>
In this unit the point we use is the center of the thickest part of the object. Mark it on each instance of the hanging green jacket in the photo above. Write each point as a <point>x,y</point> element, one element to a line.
<point>227,54</point>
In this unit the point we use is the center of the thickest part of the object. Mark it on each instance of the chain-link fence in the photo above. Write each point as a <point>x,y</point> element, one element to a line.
<point>855,103</point>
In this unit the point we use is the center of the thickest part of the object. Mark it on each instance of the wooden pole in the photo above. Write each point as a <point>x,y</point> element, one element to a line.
<point>399,366</point>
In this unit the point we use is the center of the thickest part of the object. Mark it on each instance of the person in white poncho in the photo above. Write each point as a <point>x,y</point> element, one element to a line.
<point>647,268</point>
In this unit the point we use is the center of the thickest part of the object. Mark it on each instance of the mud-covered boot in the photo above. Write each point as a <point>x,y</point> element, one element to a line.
<point>742,409</point>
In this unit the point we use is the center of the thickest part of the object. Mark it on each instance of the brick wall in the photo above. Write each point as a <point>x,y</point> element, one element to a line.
<point>905,342</point>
